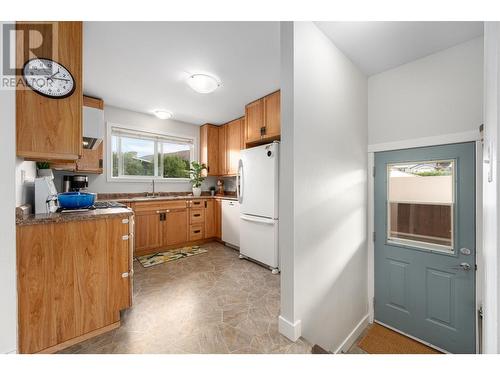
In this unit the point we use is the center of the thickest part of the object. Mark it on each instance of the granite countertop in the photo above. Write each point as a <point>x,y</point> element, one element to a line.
<point>141,197</point>
<point>74,216</point>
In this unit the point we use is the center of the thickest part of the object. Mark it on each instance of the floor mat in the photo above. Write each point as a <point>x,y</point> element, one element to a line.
<point>382,340</point>
<point>170,255</point>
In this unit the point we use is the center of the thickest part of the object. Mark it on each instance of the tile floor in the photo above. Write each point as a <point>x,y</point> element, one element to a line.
<point>208,303</point>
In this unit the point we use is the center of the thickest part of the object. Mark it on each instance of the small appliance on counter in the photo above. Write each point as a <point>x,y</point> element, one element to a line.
<point>75,183</point>
<point>45,195</point>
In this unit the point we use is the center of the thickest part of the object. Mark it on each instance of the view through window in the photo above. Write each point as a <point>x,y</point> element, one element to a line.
<point>420,204</point>
<point>138,154</point>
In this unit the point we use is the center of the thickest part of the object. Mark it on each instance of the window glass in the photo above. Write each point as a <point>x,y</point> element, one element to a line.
<point>420,204</point>
<point>140,154</point>
<point>174,160</point>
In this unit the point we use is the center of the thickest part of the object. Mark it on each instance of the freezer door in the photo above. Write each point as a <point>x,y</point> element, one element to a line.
<point>258,179</point>
<point>259,239</point>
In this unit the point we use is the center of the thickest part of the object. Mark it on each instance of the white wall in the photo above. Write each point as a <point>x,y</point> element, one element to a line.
<point>438,94</point>
<point>328,174</point>
<point>141,121</point>
<point>8,311</point>
<point>491,189</point>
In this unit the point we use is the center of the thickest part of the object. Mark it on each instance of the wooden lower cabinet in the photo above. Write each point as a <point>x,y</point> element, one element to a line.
<point>210,223</point>
<point>148,230</point>
<point>175,227</point>
<point>218,218</point>
<point>70,280</point>
<point>162,225</point>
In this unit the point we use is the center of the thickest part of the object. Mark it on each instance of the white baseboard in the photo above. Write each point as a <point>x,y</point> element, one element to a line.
<point>351,338</point>
<point>292,331</point>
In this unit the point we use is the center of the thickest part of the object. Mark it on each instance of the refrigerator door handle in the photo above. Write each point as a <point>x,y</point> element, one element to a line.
<point>255,219</point>
<point>239,182</point>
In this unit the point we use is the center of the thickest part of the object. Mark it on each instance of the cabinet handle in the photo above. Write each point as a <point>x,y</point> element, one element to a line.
<point>262,131</point>
<point>125,238</point>
<point>125,275</point>
<point>196,215</point>
<point>197,231</point>
<point>124,221</point>
<point>205,204</point>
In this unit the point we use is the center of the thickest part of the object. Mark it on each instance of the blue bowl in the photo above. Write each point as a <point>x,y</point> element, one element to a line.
<point>75,200</point>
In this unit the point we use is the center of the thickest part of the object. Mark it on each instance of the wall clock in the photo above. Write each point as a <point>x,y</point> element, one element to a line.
<point>48,78</point>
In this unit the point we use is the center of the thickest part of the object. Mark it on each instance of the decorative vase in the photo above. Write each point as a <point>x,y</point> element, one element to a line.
<point>196,191</point>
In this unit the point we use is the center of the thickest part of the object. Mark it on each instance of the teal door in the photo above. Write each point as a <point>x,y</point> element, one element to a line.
<point>425,244</point>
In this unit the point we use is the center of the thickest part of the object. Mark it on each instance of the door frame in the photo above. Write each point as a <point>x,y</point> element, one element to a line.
<point>473,136</point>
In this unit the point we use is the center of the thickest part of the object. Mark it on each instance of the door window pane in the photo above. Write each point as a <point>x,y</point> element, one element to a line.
<point>420,204</point>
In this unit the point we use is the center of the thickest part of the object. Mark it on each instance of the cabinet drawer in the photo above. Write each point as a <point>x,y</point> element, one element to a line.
<point>159,205</point>
<point>197,215</point>
<point>198,203</point>
<point>195,232</point>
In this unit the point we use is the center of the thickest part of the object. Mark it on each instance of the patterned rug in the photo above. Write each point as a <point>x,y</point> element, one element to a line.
<point>170,255</point>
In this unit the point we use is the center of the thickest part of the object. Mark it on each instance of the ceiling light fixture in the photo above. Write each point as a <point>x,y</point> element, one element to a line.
<point>203,83</point>
<point>162,114</point>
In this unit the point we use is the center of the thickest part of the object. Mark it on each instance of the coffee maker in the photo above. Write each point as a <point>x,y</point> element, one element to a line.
<point>75,183</point>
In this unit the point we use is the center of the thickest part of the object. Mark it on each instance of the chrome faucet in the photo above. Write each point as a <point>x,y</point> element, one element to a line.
<point>153,194</point>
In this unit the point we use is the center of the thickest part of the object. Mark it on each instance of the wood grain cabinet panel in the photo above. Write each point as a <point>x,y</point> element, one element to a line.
<point>148,231</point>
<point>210,229</point>
<point>272,115</point>
<point>218,218</point>
<point>222,151</point>
<point>254,121</point>
<point>209,146</point>
<point>70,280</point>
<point>46,128</point>
<point>175,226</point>
<point>233,146</point>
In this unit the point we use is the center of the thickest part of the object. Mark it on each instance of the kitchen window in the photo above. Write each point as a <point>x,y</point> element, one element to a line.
<point>143,155</point>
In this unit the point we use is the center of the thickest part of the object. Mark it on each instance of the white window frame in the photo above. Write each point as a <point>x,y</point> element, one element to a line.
<point>125,178</point>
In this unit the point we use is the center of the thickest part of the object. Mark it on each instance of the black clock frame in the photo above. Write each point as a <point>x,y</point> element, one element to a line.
<point>43,94</point>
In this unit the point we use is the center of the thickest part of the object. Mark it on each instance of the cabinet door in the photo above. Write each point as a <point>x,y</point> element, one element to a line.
<point>91,160</point>
<point>210,228</point>
<point>147,232</point>
<point>222,151</point>
<point>242,133</point>
<point>51,129</point>
<point>272,114</point>
<point>218,218</point>
<point>254,116</point>
<point>175,227</point>
<point>119,291</point>
<point>233,145</point>
<point>209,149</point>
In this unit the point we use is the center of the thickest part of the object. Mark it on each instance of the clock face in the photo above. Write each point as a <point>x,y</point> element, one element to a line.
<point>48,78</point>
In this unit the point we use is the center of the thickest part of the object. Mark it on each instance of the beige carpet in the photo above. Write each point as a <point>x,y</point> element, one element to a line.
<point>381,340</point>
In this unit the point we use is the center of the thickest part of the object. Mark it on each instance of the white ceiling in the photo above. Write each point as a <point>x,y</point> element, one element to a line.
<point>143,66</point>
<point>378,46</point>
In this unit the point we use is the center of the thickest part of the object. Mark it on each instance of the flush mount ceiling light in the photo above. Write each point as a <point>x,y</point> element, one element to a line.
<point>203,83</point>
<point>162,114</point>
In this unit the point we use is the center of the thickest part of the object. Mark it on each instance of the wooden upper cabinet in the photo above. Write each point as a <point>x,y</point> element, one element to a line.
<point>233,145</point>
<point>46,128</point>
<point>263,119</point>
<point>209,149</point>
<point>254,121</point>
<point>222,150</point>
<point>272,115</point>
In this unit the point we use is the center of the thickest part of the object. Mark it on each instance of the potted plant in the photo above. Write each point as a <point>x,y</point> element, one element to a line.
<point>43,169</point>
<point>196,177</point>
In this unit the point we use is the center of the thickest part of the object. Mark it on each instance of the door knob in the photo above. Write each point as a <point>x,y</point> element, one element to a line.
<point>462,266</point>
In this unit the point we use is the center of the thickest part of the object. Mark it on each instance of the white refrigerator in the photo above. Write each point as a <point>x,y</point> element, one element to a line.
<point>258,196</point>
